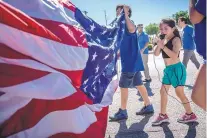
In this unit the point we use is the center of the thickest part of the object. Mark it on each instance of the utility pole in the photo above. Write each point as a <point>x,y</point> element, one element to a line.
<point>105,16</point>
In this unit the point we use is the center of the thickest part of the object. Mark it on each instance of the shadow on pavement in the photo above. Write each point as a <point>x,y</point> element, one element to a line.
<point>149,91</point>
<point>167,131</point>
<point>136,130</point>
<point>191,130</point>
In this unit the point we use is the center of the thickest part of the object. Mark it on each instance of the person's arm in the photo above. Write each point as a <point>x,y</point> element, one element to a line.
<point>191,32</point>
<point>176,48</point>
<point>146,44</point>
<point>157,51</point>
<point>197,12</point>
<point>130,26</point>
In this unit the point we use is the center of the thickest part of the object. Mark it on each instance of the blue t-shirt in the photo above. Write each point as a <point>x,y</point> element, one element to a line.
<point>200,29</point>
<point>188,38</point>
<point>131,59</point>
<point>142,40</point>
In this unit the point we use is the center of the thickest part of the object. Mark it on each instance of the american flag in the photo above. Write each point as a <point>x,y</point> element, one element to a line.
<point>57,70</point>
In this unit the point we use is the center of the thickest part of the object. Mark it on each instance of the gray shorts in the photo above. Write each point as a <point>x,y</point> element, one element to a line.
<point>130,80</point>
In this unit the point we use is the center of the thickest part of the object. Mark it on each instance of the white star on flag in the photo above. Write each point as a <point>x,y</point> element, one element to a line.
<point>94,88</point>
<point>96,77</point>
<point>97,68</point>
<point>98,40</point>
<point>85,89</point>
<point>92,27</point>
<point>92,95</point>
<point>106,57</point>
<point>94,56</point>
<point>103,32</point>
<point>85,81</point>
<point>94,82</point>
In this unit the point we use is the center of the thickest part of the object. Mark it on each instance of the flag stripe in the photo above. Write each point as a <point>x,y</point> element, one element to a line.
<point>47,10</point>
<point>7,52</point>
<point>79,119</point>
<point>34,66</point>
<point>69,5</point>
<point>52,86</point>
<point>49,52</point>
<point>9,105</point>
<point>17,74</point>
<point>65,33</point>
<point>33,112</point>
<point>17,19</point>
<point>95,130</point>
<point>68,34</point>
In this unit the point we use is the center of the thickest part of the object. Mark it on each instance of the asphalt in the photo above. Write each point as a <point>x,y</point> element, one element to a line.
<point>140,126</point>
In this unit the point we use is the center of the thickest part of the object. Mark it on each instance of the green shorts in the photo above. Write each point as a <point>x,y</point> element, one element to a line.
<point>174,75</point>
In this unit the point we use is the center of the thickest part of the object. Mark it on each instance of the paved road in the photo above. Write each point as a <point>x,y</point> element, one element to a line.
<point>140,126</point>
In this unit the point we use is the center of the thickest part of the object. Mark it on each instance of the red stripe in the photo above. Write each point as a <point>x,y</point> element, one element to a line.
<point>69,5</point>
<point>12,71</point>
<point>17,19</point>
<point>68,34</point>
<point>7,52</point>
<point>96,130</point>
<point>60,32</point>
<point>14,74</point>
<point>75,76</point>
<point>33,112</point>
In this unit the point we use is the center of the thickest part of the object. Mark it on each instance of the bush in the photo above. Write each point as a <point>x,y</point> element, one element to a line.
<point>150,47</point>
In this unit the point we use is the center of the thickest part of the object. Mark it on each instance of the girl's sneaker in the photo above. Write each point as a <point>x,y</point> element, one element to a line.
<point>160,119</point>
<point>186,118</point>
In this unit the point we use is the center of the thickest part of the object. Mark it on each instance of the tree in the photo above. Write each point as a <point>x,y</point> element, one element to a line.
<point>152,29</point>
<point>181,14</point>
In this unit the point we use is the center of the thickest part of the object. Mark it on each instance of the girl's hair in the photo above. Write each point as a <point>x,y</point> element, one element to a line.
<point>171,23</point>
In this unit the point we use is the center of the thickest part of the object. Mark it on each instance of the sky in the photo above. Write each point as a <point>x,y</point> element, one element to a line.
<point>143,11</point>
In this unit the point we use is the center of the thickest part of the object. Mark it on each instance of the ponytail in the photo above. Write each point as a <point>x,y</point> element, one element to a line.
<point>176,33</point>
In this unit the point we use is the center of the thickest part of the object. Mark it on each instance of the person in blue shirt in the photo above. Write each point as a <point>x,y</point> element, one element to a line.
<point>131,62</point>
<point>143,41</point>
<point>197,13</point>
<point>188,42</point>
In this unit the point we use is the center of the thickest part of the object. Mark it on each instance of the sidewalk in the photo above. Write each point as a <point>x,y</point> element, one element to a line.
<point>140,126</point>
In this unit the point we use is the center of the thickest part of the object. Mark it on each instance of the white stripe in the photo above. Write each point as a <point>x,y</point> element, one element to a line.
<point>56,85</point>
<point>45,9</point>
<point>28,63</point>
<point>72,121</point>
<point>57,55</point>
<point>51,86</point>
<point>10,105</point>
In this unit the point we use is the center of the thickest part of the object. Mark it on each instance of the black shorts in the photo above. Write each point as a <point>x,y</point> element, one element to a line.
<point>130,79</point>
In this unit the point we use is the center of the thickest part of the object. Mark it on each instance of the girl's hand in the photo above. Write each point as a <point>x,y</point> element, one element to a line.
<point>160,43</point>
